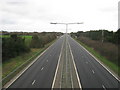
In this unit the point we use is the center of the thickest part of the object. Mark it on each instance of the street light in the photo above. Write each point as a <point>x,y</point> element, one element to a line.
<point>66,24</point>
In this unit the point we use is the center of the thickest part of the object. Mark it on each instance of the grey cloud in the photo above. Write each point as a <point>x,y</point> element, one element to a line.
<point>8,20</point>
<point>11,11</point>
<point>16,7</point>
<point>16,2</point>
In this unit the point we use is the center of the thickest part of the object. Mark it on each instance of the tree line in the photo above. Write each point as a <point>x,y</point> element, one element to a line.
<point>15,45</point>
<point>109,48</point>
<point>40,40</point>
<point>105,35</point>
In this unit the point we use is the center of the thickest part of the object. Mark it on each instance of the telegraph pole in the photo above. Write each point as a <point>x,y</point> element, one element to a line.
<point>67,24</point>
<point>102,36</point>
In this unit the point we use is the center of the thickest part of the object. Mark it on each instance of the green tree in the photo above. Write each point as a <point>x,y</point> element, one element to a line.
<point>13,46</point>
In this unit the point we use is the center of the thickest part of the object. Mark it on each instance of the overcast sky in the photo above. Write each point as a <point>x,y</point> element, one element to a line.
<point>36,15</point>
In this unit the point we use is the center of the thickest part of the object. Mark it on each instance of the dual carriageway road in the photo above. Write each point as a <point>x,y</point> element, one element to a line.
<point>66,64</point>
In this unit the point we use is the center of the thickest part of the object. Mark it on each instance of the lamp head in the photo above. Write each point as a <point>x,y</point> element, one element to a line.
<point>53,23</point>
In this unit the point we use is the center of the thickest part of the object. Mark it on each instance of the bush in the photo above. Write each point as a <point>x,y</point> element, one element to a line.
<point>36,42</point>
<point>108,36</point>
<point>40,40</point>
<point>109,50</point>
<point>13,46</point>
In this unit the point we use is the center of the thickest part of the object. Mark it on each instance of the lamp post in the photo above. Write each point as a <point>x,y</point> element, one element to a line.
<point>67,24</point>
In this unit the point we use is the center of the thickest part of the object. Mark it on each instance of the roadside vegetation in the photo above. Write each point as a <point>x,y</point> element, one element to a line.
<point>106,50</point>
<point>9,66</point>
<point>21,49</point>
<point>13,46</point>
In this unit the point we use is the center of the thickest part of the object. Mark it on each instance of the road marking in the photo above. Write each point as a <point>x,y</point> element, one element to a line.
<point>98,61</point>
<point>27,67</point>
<point>103,87</point>
<point>75,68</point>
<point>61,75</point>
<point>86,62</point>
<point>57,66</point>
<point>42,68</point>
<point>71,77</point>
<point>69,64</point>
<point>66,58</point>
<point>33,82</point>
<point>71,74</point>
<point>93,71</point>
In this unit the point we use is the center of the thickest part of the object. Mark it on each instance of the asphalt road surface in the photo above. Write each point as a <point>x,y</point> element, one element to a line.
<point>66,74</point>
<point>41,74</point>
<point>91,73</point>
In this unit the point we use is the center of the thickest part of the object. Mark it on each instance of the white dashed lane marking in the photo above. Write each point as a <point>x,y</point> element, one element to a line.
<point>86,62</point>
<point>93,71</point>
<point>33,82</point>
<point>103,87</point>
<point>42,68</point>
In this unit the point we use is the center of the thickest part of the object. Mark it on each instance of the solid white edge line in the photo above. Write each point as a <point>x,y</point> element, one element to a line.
<point>66,57</point>
<point>21,72</point>
<point>75,68</point>
<point>70,68</point>
<point>71,73</point>
<point>57,67</point>
<point>98,61</point>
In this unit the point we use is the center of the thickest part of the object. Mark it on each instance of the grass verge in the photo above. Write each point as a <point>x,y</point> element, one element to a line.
<point>114,67</point>
<point>15,65</point>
